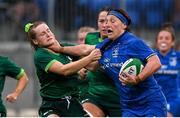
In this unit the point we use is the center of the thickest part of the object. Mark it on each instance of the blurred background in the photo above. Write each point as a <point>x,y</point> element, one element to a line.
<point>65,17</point>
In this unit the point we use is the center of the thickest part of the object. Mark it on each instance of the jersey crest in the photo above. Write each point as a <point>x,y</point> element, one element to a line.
<point>173,61</point>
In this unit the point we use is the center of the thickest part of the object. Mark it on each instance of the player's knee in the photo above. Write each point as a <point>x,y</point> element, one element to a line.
<point>93,110</point>
<point>53,115</point>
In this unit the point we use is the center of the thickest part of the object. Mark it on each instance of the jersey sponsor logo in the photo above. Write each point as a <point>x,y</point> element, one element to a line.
<point>164,67</point>
<point>173,61</point>
<point>109,65</point>
<point>170,72</point>
<point>106,60</point>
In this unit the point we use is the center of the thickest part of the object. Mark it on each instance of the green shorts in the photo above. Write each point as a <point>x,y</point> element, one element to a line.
<point>110,106</point>
<point>64,107</point>
<point>3,112</point>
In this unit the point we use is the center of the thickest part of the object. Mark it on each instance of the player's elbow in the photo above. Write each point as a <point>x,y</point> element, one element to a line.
<point>154,63</point>
<point>159,65</point>
<point>66,72</point>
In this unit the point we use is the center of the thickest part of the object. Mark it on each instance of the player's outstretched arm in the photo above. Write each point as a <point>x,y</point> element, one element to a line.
<point>22,83</point>
<point>73,67</point>
<point>79,50</point>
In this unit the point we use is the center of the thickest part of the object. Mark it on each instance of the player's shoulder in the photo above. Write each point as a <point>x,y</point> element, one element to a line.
<point>130,38</point>
<point>40,53</point>
<point>3,58</point>
<point>93,35</point>
<point>175,53</point>
<point>178,52</point>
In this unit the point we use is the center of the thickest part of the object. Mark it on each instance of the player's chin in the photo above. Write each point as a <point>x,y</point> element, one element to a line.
<point>49,45</point>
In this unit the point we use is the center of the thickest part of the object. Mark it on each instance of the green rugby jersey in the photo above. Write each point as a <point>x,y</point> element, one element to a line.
<point>93,38</point>
<point>8,68</point>
<point>83,84</point>
<point>99,82</point>
<point>54,85</point>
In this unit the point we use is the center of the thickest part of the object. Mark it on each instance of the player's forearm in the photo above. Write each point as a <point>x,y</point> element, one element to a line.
<point>151,67</point>
<point>92,66</point>
<point>79,50</point>
<point>22,83</point>
<point>74,67</point>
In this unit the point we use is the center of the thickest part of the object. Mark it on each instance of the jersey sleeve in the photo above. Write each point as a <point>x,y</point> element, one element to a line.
<point>141,50</point>
<point>12,70</point>
<point>74,58</point>
<point>43,60</point>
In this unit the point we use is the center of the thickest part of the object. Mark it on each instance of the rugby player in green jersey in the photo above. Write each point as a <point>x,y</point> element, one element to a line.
<point>9,68</point>
<point>102,98</point>
<point>83,86</point>
<point>56,73</point>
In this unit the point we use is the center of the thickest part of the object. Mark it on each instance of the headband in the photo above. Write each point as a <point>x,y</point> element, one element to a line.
<point>27,27</point>
<point>119,16</point>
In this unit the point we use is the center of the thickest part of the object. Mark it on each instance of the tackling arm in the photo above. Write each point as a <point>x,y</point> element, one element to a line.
<point>73,67</point>
<point>79,50</point>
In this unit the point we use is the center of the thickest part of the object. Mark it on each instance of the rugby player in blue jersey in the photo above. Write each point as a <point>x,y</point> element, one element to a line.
<point>140,95</point>
<point>167,75</point>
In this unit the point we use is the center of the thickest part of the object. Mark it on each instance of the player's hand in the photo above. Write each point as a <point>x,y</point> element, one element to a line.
<point>127,79</point>
<point>12,97</point>
<point>56,47</point>
<point>82,73</point>
<point>95,55</point>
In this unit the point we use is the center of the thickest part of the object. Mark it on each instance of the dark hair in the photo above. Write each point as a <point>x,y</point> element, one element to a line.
<point>169,28</point>
<point>125,14</point>
<point>32,34</point>
<point>105,9</point>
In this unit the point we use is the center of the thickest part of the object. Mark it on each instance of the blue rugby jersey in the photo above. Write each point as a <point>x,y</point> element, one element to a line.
<point>114,55</point>
<point>167,75</point>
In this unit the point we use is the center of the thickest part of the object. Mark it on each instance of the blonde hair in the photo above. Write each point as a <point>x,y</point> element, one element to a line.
<point>86,29</point>
<point>31,34</point>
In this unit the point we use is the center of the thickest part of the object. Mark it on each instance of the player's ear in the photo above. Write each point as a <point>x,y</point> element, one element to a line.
<point>35,42</point>
<point>124,26</point>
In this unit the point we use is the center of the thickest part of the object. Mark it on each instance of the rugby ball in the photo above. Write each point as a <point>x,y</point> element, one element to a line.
<point>132,66</point>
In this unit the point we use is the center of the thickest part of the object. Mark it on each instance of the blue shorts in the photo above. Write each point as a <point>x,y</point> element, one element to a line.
<point>174,107</point>
<point>153,105</point>
<point>152,109</point>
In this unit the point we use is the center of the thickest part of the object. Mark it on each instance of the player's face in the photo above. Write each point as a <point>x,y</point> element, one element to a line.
<point>102,23</point>
<point>164,41</point>
<point>44,36</point>
<point>114,27</point>
<point>81,37</point>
